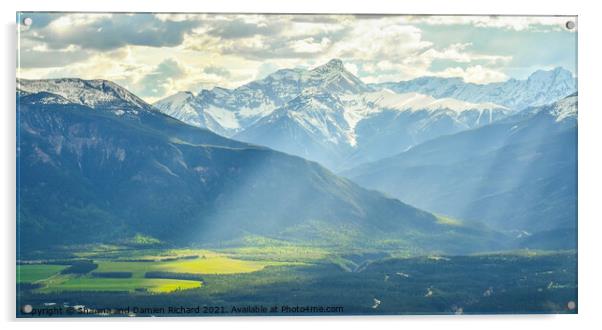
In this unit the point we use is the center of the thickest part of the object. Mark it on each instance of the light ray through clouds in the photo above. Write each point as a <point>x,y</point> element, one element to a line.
<point>204,51</point>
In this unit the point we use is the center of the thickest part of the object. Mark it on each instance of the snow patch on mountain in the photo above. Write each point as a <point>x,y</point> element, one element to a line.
<point>90,93</point>
<point>43,98</point>
<point>225,118</point>
<point>361,106</point>
<point>387,99</point>
<point>233,110</point>
<point>540,88</point>
<point>565,108</point>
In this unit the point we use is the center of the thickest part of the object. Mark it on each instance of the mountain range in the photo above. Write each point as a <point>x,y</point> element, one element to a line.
<point>540,88</point>
<point>328,115</point>
<point>518,174</point>
<point>96,164</point>
<point>224,166</point>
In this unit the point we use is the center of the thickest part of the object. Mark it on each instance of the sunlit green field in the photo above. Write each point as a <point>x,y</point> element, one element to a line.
<point>87,283</point>
<point>213,265</point>
<point>139,263</point>
<point>34,273</point>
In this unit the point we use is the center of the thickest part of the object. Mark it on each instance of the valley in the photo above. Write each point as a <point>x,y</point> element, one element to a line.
<point>237,278</point>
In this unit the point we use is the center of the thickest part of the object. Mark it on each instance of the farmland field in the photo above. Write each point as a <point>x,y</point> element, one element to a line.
<point>133,266</point>
<point>213,265</point>
<point>34,273</point>
<point>86,283</point>
<point>360,282</point>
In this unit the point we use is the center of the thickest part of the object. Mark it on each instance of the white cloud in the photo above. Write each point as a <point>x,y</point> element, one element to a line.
<point>474,74</point>
<point>370,39</point>
<point>458,52</point>
<point>74,21</point>
<point>516,23</point>
<point>377,49</point>
<point>310,45</point>
<point>179,17</point>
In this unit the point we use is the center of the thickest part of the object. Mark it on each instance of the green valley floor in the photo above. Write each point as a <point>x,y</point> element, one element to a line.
<point>292,280</point>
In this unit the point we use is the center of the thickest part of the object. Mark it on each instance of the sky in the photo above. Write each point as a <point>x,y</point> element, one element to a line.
<point>157,55</point>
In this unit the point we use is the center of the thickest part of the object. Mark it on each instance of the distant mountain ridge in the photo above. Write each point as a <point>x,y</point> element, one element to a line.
<point>341,129</point>
<point>540,88</point>
<point>328,115</point>
<point>518,174</point>
<point>92,93</point>
<point>110,99</point>
<point>90,174</point>
<point>228,111</point>
<point>109,155</point>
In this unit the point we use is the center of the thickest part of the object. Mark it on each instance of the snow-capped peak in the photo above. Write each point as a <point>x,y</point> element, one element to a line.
<point>334,65</point>
<point>565,108</point>
<point>43,98</point>
<point>176,100</point>
<point>558,73</point>
<point>541,88</point>
<point>387,99</point>
<point>334,78</point>
<point>220,91</point>
<point>92,93</point>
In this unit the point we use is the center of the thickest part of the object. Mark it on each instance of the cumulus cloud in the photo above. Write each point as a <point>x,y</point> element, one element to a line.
<point>159,54</point>
<point>266,37</point>
<point>40,57</point>
<point>161,79</point>
<point>108,32</point>
<point>516,23</point>
<point>223,72</point>
<point>380,39</point>
<point>459,53</point>
<point>238,28</point>
<point>310,45</point>
<point>39,20</point>
<point>474,74</point>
